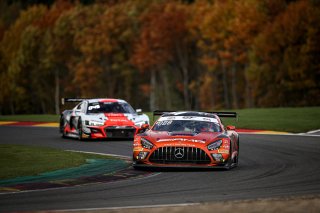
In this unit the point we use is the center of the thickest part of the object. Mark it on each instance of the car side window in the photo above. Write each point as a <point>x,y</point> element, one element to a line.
<point>79,106</point>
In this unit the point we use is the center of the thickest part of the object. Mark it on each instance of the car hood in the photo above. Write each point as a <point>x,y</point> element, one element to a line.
<point>117,119</point>
<point>182,138</point>
<point>111,119</point>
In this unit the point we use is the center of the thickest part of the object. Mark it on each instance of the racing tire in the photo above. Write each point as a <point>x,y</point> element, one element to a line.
<point>61,127</point>
<point>80,130</point>
<point>229,163</point>
<point>238,144</point>
<point>237,157</point>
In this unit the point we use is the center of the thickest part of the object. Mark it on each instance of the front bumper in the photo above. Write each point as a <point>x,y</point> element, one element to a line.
<point>180,166</point>
<point>112,132</point>
<point>179,157</point>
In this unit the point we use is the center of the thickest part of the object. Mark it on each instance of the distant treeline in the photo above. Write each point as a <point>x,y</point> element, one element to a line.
<point>159,54</point>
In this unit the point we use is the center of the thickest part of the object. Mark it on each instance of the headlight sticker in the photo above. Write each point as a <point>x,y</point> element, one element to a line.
<point>223,151</point>
<point>138,149</point>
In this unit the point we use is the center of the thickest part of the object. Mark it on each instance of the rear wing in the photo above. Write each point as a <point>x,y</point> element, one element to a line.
<point>225,114</point>
<point>64,100</point>
<point>219,114</point>
<point>161,112</point>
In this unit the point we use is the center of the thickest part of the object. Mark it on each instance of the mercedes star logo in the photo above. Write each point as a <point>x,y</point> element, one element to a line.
<point>179,152</point>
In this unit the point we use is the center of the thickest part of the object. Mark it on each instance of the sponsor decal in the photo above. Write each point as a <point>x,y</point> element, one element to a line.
<point>226,146</point>
<point>114,115</point>
<point>187,118</point>
<point>164,123</point>
<point>138,149</point>
<point>222,151</point>
<point>180,140</point>
<point>180,144</point>
<point>118,120</point>
<point>94,107</point>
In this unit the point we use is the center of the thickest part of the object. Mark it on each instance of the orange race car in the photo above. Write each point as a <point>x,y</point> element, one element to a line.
<point>187,139</point>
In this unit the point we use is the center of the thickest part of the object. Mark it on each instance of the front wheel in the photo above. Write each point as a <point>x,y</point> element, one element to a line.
<point>61,127</point>
<point>80,131</point>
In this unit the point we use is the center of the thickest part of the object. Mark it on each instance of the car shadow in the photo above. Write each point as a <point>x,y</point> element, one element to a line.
<point>96,140</point>
<point>182,169</point>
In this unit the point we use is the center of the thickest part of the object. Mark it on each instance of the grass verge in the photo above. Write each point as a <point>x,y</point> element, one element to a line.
<point>296,120</point>
<point>22,160</point>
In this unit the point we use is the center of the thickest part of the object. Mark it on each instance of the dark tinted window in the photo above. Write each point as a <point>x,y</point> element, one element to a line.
<point>186,126</point>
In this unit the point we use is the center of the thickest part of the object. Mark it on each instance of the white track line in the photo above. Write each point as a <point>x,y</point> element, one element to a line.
<point>128,207</point>
<point>313,131</point>
<point>99,153</point>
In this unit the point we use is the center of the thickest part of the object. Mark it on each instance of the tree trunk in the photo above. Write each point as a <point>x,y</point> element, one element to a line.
<point>234,87</point>
<point>182,57</point>
<point>225,86</point>
<point>152,90</point>
<point>185,88</point>
<point>57,92</point>
<point>249,99</point>
<point>167,92</point>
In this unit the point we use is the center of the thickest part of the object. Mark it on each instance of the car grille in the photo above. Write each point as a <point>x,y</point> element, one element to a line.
<point>179,155</point>
<point>123,132</point>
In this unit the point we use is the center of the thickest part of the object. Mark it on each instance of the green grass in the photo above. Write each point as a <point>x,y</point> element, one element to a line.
<point>22,160</point>
<point>300,119</point>
<point>294,120</point>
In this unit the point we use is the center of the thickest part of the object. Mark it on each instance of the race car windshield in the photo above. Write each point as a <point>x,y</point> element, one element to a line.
<point>186,126</point>
<point>110,107</point>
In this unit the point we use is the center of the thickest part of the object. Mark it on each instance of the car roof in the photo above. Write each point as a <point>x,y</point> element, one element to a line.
<point>190,113</point>
<point>105,100</point>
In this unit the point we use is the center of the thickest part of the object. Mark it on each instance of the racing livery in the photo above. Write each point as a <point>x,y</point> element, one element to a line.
<point>187,139</point>
<point>101,118</point>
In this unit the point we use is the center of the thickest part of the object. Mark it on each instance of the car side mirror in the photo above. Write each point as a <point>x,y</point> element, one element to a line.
<point>139,111</point>
<point>231,128</point>
<point>143,128</point>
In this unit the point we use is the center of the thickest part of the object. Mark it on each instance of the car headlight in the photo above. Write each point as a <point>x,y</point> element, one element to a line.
<point>214,145</point>
<point>94,123</point>
<point>146,144</point>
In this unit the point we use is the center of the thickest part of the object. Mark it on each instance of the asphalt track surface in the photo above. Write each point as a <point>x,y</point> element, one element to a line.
<point>269,166</point>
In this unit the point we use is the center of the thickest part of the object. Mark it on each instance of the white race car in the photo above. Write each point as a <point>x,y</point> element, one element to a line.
<point>101,118</point>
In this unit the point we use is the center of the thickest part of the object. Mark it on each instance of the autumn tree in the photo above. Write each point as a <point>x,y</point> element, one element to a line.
<point>284,63</point>
<point>215,45</point>
<point>163,48</point>
<point>14,46</point>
